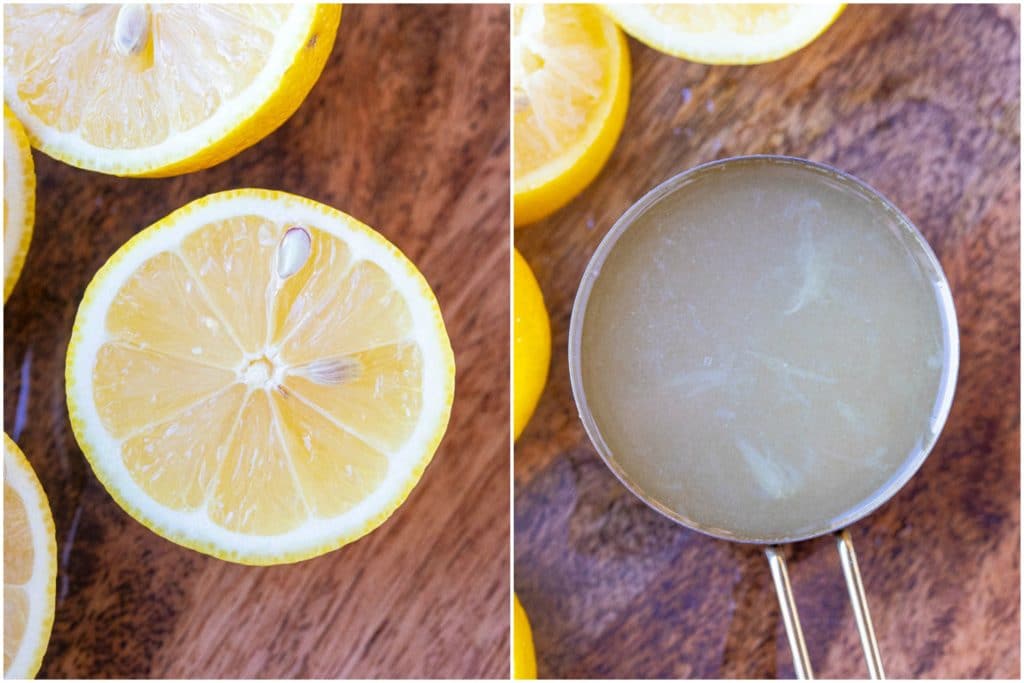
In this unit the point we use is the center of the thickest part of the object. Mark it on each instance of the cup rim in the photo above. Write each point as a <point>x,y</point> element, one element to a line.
<point>947,383</point>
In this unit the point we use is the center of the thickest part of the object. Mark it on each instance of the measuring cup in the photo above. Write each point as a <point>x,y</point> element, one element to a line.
<point>837,525</point>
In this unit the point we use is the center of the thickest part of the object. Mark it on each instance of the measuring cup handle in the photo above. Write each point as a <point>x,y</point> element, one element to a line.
<point>859,600</point>
<point>791,620</point>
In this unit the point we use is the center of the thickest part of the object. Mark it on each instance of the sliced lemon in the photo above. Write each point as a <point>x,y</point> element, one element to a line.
<point>259,377</point>
<point>30,566</point>
<point>532,343</point>
<point>725,34</point>
<point>19,199</point>
<point>157,90</point>
<point>524,661</point>
<point>570,80</point>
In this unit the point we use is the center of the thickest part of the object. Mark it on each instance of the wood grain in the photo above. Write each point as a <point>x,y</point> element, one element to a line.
<point>923,103</point>
<point>407,129</point>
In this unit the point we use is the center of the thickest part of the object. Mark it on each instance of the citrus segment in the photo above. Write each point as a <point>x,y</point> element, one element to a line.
<point>140,89</point>
<point>363,304</point>
<point>281,398</point>
<point>336,483</point>
<point>135,388</point>
<point>162,308</point>
<point>255,491</point>
<point>379,399</point>
<point>177,469</point>
<point>720,33</point>
<point>19,199</point>
<point>30,566</point>
<point>301,298</point>
<point>227,259</point>
<point>570,79</point>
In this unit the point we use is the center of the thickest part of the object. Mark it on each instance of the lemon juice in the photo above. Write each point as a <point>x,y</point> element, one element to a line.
<point>764,348</point>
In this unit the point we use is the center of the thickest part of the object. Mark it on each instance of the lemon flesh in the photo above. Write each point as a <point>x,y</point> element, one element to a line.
<point>19,199</point>
<point>30,566</point>
<point>570,80</point>
<point>159,89</point>
<point>723,33</point>
<point>532,343</point>
<point>259,377</point>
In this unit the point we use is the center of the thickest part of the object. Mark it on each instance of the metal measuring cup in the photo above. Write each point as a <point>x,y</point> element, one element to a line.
<point>837,526</point>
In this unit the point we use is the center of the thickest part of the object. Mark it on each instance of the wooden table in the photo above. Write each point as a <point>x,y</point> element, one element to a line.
<point>407,129</point>
<point>923,103</point>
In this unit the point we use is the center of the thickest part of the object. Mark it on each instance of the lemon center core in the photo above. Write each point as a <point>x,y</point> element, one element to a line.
<point>258,372</point>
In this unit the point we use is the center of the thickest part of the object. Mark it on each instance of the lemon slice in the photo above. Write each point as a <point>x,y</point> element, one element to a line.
<point>524,661</point>
<point>19,199</point>
<point>570,81</point>
<point>30,566</point>
<point>157,90</point>
<point>725,34</point>
<point>259,377</point>
<point>532,343</point>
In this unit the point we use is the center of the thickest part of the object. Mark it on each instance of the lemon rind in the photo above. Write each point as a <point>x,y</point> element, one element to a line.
<point>194,530</point>
<point>19,473</point>
<point>265,104</point>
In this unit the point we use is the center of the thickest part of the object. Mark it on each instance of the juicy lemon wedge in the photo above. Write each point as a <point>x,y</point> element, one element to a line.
<point>719,33</point>
<point>157,90</point>
<point>30,566</point>
<point>19,199</point>
<point>570,82</point>
<point>259,377</point>
<point>531,352</point>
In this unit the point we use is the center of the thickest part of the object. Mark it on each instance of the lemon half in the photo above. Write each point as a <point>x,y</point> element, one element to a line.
<point>19,199</point>
<point>720,33</point>
<point>570,82</point>
<point>524,660</point>
<point>531,353</point>
<point>30,566</point>
<point>162,89</point>
<point>259,377</point>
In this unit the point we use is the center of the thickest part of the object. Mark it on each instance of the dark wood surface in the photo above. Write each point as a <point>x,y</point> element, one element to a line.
<point>924,104</point>
<point>407,130</point>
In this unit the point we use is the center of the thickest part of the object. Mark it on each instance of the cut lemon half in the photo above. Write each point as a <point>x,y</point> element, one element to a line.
<point>157,90</point>
<point>259,377</point>
<point>30,566</point>
<point>716,33</point>
<point>570,80</point>
<point>19,199</point>
<point>524,661</point>
<point>531,349</point>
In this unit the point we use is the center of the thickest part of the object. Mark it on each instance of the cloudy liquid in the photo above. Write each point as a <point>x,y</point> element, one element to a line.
<point>763,350</point>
